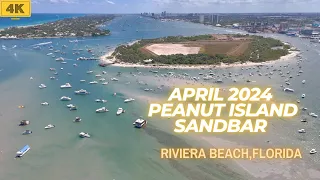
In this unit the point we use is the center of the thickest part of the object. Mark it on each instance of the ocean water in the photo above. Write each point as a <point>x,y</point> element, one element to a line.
<point>36,18</point>
<point>116,149</point>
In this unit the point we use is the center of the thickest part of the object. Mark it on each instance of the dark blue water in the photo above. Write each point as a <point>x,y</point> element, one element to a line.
<point>36,18</point>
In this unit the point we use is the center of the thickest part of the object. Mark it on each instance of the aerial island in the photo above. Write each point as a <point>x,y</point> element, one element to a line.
<point>210,49</point>
<point>83,26</point>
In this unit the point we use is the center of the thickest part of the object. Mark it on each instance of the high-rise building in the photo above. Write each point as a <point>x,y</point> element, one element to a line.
<point>201,18</point>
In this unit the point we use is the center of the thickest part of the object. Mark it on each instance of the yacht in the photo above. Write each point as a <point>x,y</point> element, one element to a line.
<point>84,135</point>
<point>128,100</point>
<point>102,79</point>
<point>23,151</point>
<point>114,79</point>
<point>120,111</point>
<point>288,90</point>
<point>65,98</point>
<point>60,59</point>
<point>89,72</point>
<point>139,123</point>
<point>78,119</point>
<point>93,82</point>
<point>24,123</point>
<point>70,105</point>
<point>49,54</point>
<point>101,100</point>
<point>313,151</point>
<point>81,92</point>
<point>45,103</point>
<point>105,83</point>
<point>26,132</point>
<point>102,110</point>
<point>49,126</point>
<point>82,80</point>
<point>42,86</point>
<point>67,85</point>
<point>302,131</point>
<point>313,115</point>
<point>303,96</point>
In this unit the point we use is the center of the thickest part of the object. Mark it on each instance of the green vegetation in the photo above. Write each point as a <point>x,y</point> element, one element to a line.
<point>260,49</point>
<point>77,27</point>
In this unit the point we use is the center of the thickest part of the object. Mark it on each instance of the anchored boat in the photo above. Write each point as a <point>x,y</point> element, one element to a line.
<point>23,151</point>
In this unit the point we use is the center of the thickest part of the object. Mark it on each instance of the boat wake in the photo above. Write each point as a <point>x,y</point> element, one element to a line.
<point>41,44</point>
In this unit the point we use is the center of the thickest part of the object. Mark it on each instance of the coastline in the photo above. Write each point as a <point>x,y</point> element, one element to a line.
<point>112,62</point>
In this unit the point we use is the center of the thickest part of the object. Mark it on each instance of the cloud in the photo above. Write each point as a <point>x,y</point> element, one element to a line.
<point>110,2</point>
<point>62,1</point>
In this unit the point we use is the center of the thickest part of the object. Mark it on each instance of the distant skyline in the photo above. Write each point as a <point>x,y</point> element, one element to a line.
<point>174,6</point>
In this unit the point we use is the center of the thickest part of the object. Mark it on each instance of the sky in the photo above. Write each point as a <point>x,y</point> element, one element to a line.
<point>174,6</point>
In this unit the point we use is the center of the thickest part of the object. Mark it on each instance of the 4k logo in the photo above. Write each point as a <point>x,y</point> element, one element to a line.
<point>15,8</point>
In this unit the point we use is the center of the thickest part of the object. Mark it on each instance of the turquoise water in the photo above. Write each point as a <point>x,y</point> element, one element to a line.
<point>116,149</point>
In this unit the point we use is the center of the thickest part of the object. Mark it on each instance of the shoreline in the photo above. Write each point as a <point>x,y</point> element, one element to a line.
<point>112,62</point>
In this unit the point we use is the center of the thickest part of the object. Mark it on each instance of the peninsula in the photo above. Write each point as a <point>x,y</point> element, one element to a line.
<point>211,49</point>
<point>71,27</point>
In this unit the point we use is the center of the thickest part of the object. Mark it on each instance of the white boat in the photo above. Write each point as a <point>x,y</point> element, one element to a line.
<point>63,62</point>
<point>84,135</point>
<point>303,81</point>
<point>52,69</point>
<point>75,64</point>
<point>313,115</point>
<point>302,131</point>
<point>42,86</point>
<point>45,103</point>
<point>93,82</point>
<point>120,111</point>
<point>49,54</point>
<point>104,72</point>
<point>101,100</point>
<point>49,126</point>
<point>65,98</point>
<point>82,80</point>
<point>303,120</point>
<point>102,110</point>
<point>288,90</point>
<point>81,92</point>
<point>23,151</point>
<point>139,123</point>
<point>78,119</point>
<point>129,100</point>
<point>70,105</point>
<point>102,79</point>
<point>303,96</point>
<point>60,59</point>
<point>313,151</point>
<point>52,77</point>
<point>105,83</point>
<point>114,79</point>
<point>26,132</point>
<point>89,72</point>
<point>98,75</point>
<point>69,74</point>
<point>31,78</point>
<point>67,85</point>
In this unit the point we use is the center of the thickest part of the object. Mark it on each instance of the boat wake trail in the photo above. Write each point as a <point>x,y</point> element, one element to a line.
<point>41,44</point>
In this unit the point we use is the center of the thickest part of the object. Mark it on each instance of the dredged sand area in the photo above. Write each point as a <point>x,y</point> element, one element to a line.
<point>170,49</point>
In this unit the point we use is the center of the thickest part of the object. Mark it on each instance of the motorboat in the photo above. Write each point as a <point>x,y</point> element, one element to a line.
<point>105,83</point>
<point>313,115</point>
<point>82,80</point>
<point>63,62</point>
<point>89,72</point>
<point>139,123</point>
<point>98,75</point>
<point>69,74</point>
<point>114,79</point>
<point>52,77</point>
<point>67,85</point>
<point>146,89</point>
<point>23,151</point>
<point>78,119</point>
<point>45,103</point>
<point>65,98</point>
<point>84,135</point>
<point>313,151</point>
<point>101,100</point>
<point>81,92</point>
<point>73,108</point>
<point>128,100</point>
<point>120,111</point>
<point>75,65</point>
<point>303,81</point>
<point>60,59</point>
<point>104,72</point>
<point>26,132</point>
<point>61,68</point>
<point>288,90</point>
<point>93,82</point>
<point>70,105</point>
<point>31,78</point>
<point>219,81</point>
<point>24,123</point>
<point>302,131</point>
<point>52,69</point>
<point>102,79</point>
<point>49,126</point>
<point>303,96</point>
<point>102,110</point>
<point>42,86</point>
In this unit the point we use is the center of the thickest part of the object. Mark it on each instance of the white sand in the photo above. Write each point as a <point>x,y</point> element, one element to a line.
<point>170,49</point>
